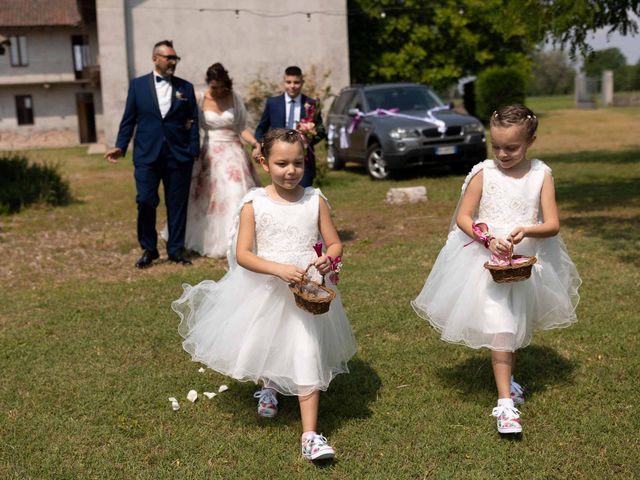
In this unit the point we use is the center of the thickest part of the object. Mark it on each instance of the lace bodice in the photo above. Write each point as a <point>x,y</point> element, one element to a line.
<point>509,202</point>
<point>286,232</point>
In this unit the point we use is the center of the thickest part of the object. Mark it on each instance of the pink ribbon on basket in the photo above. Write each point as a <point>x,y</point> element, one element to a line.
<point>336,264</point>
<point>481,235</point>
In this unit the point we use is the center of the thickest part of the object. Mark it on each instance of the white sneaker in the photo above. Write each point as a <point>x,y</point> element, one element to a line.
<point>315,447</point>
<point>517,393</point>
<point>267,402</point>
<point>508,419</point>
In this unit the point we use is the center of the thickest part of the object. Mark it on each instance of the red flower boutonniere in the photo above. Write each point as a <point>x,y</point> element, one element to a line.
<point>180,95</point>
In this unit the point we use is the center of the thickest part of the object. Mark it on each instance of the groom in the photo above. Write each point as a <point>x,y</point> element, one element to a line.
<point>286,110</point>
<point>163,111</point>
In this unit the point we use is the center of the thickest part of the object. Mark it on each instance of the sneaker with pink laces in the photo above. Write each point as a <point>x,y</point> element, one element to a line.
<point>315,447</point>
<point>267,402</point>
<point>508,419</point>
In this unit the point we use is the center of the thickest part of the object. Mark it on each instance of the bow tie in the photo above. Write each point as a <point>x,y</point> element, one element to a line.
<point>162,79</point>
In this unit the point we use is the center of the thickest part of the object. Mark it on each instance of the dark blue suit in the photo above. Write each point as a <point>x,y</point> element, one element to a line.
<point>274,116</point>
<point>164,150</point>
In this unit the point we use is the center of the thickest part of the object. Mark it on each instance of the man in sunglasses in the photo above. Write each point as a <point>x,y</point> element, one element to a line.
<point>163,112</point>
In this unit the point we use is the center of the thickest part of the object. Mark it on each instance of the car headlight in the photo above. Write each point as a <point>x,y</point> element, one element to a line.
<point>403,133</point>
<point>473,128</point>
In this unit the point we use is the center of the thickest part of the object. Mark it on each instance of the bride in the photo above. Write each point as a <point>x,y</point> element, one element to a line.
<point>224,172</point>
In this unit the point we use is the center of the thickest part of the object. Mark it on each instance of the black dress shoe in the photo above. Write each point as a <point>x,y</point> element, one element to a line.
<point>179,258</point>
<point>147,257</point>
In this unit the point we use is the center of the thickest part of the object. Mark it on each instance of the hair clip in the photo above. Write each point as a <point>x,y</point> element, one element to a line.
<point>495,113</point>
<point>528,117</point>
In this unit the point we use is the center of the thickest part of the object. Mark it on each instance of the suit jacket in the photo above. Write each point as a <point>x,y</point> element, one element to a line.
<point>274,117</point>
<point>179,127</point>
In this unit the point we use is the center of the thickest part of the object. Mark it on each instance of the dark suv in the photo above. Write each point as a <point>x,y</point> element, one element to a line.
<point>384,143</point>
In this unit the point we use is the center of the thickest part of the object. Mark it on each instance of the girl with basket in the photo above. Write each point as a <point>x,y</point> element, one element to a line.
<point>505,202</point>
<point>247,325</point>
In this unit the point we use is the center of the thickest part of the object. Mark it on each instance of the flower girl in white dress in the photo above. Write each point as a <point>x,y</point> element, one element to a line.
<point>247,325</point>
<point>515,198</point>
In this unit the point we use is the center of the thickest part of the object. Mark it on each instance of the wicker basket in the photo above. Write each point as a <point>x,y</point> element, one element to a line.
<point>512,273</point>
<point>307,299</point>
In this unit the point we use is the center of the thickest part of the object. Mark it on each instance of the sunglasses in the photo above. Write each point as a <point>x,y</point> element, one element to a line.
<point>171,58</point>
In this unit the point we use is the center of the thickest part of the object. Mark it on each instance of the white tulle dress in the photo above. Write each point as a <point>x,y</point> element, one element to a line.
<point>247,325</point>
<point>460,298</point>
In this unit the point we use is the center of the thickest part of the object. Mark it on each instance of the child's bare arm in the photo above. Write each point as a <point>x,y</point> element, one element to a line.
<point>330,237</point>
<point>249,260</point>
<point>469,204</point>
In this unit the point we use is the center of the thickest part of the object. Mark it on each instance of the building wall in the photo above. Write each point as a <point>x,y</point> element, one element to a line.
<point>250,44</point>
<point>49,53</point>
<point>54,111</point>
<point>50,80</point>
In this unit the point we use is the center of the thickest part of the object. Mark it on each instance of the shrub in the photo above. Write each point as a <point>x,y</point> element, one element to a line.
<point>497,86</point>
<point>23,184</point>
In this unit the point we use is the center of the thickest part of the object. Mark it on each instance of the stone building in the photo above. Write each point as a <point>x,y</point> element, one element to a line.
<point>49,75</point>
<point>64,79</point>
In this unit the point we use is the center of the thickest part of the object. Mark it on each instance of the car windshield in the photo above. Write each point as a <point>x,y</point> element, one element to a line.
<point>403,98</point>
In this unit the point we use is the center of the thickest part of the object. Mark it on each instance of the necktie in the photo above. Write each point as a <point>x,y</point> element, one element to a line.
<point>292,109</point>
<point>161,79</point>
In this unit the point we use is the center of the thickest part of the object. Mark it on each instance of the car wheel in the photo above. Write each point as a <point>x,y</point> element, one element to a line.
<point>375,163</point>
<point>333,162</point>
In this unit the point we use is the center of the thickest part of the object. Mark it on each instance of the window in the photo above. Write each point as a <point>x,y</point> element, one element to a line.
<point>19,56</point>
<point>24,109</point>
<point>341,102</point>
<point>356,102</point>
<point>81,53</point>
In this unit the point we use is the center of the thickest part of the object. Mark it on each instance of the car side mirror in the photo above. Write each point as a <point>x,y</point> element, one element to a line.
<point>451,105</point>
<point>353,112</point>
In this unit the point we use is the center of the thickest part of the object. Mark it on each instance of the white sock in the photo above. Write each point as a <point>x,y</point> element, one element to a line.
<point>308,435</point>
<point>505,402</point>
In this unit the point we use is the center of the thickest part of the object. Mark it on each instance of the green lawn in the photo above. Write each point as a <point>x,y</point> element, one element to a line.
<point>90,351</point>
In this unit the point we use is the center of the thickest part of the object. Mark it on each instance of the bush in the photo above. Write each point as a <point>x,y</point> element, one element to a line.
<point>497,86</point>
<point>23,184</point>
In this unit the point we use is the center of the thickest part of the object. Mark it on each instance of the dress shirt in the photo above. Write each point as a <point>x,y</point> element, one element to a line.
<point>163,91</point>
<point>297,106</point>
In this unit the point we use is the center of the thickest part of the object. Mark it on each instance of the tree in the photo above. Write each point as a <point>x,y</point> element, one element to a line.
<point>438,42</point>
<point>551,73</point>
<point>607,59</point>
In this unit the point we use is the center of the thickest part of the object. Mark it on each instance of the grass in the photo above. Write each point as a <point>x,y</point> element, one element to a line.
<point>90,352</point>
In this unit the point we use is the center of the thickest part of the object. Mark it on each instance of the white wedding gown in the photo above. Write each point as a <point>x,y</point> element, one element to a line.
<point>221,177</point>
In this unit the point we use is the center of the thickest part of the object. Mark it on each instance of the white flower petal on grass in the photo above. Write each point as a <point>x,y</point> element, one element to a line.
<point>209,395</point>
<point>192,396</point>
<point>201,370</point>
<point>174,403</point>
<point>223,388</point>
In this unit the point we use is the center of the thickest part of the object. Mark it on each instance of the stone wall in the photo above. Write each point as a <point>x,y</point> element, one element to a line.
<point>249,44</point>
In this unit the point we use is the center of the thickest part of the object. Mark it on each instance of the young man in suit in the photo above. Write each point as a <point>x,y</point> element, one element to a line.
<point>163,111</point>
<point>286,110</point>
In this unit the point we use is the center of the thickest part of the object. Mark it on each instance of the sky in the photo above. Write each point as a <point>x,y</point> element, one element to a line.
<point>629,46</point>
